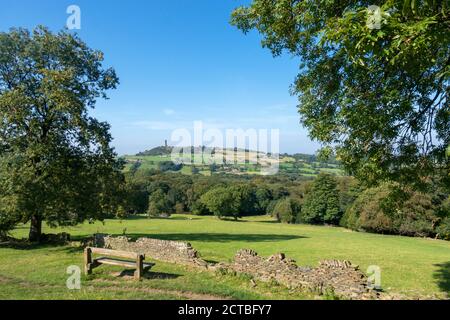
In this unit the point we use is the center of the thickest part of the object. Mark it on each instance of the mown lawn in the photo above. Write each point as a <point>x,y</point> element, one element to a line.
<point>409,265</point>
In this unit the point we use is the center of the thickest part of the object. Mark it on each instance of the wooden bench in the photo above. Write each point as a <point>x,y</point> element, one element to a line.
<point>137,260</point>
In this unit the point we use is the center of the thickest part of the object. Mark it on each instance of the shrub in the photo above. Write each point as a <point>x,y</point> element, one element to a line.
<point>221,202</point>
<point>387,209</point>
<point>322,202</point>
<point>121,212</point>
<point>9,213</point>
<point>169,166</point>
<point>270,207</point>
<point>244,199</point>
<point>263,198</point>
<point>158,204</point>
<point>416,216</point>
<point>443,230</point>
<point>7,223</point>
<point>286,210</point>
<point>369,212</point>
<point>349,190</point>
<point>199,209</point>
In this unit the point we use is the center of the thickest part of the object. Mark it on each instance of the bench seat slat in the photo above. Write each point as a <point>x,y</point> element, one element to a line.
<point>122,263</point>
<point>116,253</point>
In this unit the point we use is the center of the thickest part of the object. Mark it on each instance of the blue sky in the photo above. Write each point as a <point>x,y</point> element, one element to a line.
<point>178,62</point>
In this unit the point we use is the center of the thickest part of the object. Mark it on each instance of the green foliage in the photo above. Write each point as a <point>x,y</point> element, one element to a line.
<point>286,210</point>
<point>372,211</point>
<point>443,230</point>
<point>221,203</point>
<point>271,207</point>
<point>235,200</point>
<point>349,190</point>
<point>416,216</point>
<point>57,163</point>
<point>386,209</point>
<point>378,97</point>
<point>121,212</point>
<point>159,204</point>
<point>169,166</point>
<point>158,151</point>
<point>263,197</point>
<point>8,222</point>
<point>244,198</point>
<point>322,202</point>
<point>200,209</point>
<point>179,208</point>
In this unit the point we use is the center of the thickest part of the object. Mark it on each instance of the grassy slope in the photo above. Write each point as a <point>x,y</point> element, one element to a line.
<point>408,264</point>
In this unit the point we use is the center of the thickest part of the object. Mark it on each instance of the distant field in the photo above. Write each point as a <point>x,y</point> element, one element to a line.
<point>409,265</point>
<point>287,165</point>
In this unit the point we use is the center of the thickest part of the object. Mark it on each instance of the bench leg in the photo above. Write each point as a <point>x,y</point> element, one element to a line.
<point>139,267</point>
<point>87,261</point>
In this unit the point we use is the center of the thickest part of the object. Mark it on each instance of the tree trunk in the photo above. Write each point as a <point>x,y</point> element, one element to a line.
<point>35,229</point>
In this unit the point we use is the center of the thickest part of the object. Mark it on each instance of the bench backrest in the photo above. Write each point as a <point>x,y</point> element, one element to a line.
<point>116,253</point>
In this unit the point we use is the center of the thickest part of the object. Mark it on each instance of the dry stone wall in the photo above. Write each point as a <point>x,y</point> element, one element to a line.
<point>338,277</point>
<point>170,251</point>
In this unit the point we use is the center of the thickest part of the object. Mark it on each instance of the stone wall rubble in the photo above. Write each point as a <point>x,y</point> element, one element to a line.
<point>338,277</point>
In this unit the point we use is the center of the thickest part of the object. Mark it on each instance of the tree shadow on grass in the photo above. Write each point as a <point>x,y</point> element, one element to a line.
<point>172,218</point>
<point>25,245</point>
<point>217,237</point>
<point>442,275</point>
<point>267,221</point>
<point>144,217</point>
<point>73,249</point>
<point>149,275</point>
<point>180,218</point>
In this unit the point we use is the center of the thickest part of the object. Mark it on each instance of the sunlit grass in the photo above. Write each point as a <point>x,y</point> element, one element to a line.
<point>409,265</point>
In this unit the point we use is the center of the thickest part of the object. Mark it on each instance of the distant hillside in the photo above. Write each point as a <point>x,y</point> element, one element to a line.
<point>158,151</point>
<point>164,151</point>
<point>161,159</point>
<point>167,150</point>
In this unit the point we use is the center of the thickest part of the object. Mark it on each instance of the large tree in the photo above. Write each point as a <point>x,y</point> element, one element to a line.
<point>221,202</point>
<point>56,162</point>
<point>378,95</point>
<point>322,202</point>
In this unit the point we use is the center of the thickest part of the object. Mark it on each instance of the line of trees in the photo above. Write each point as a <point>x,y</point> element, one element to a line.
<point>327,200</point>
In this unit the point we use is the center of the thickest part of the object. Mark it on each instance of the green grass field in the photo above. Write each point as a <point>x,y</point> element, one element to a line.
<point>409,265</point>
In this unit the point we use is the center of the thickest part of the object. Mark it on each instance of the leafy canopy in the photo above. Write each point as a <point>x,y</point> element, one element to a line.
<point>322,202</point>
<point>221,202</point>
<point>55,160</point>
<point>379,98</point>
